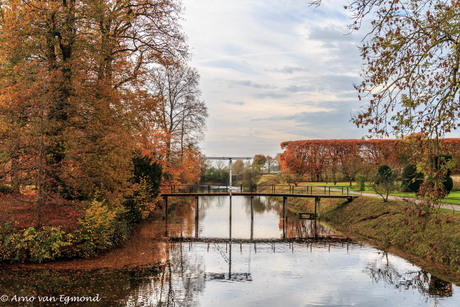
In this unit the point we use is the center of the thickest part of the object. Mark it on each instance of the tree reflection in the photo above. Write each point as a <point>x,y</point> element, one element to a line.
<point>181,277</point>
<point>383,270</point>
<point>177,284</point>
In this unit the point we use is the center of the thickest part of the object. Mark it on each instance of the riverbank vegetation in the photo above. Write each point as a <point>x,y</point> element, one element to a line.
<point>420,232</point>
<point>433,237</point>
<point>89,122</point>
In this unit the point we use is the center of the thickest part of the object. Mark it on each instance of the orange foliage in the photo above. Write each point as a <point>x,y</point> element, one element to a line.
<point>316,157</point>
<point>186,168</point>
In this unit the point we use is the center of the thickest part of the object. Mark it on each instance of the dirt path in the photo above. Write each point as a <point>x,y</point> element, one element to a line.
<point>453,207</point>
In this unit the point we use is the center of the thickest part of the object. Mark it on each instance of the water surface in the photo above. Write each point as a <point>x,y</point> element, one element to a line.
<point>257,267</point>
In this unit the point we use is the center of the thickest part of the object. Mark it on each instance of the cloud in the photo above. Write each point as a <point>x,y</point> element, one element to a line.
<point>251,84</point>
<point>297,88</point>
<point>288,69</point>
<point>273,71</point>
<point>331,33</point>
<point>238,103</point>
<point>271,95</point>
<point>228,64</point>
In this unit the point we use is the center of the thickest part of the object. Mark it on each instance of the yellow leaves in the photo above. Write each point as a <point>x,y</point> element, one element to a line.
<point>97,228</point>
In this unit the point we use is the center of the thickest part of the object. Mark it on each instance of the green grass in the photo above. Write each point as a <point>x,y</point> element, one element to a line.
<point>452,198</point>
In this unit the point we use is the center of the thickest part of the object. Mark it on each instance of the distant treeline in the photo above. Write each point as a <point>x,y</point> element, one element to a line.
<point>338,159</point>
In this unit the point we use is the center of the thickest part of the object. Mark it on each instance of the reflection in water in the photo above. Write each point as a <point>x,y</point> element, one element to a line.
<point>384,270</point>
<point>239,272</point>
<point>245,218</point>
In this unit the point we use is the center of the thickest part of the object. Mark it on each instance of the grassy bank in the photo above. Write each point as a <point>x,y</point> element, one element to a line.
<point>433,238</point>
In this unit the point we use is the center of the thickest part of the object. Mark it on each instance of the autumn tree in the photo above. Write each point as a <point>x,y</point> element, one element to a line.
<point>251,177</point>
<point>238,167</point>
<point>412,58</point>
<point>74,102</point>
<point>349,157</point>
<point>272,162</point>
<point>411,70</point>
<point>258,162</point>
<point>350,161</point>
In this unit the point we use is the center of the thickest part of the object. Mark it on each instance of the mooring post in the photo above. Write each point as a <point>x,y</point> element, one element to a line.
<point>197,216</point>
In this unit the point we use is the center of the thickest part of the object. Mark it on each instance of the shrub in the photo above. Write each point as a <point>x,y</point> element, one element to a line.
<point>362,182</point>
<point>96,231</point>
<point>411,179</point>
<point>133,211</point>
<point>99,229</point>
<point>250,178</point>
<point>384,175</point>
<point>384,182</point>
<point>149,172</point>
<point>442,165</point>
<point>31,245</point>
<point>448,184</point>
<point>291,177</point>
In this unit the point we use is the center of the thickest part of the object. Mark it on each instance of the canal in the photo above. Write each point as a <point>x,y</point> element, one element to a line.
<point>201,266</point>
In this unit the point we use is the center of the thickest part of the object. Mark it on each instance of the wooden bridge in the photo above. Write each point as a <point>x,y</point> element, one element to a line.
<point>284,191</point>
<point>262,190</point>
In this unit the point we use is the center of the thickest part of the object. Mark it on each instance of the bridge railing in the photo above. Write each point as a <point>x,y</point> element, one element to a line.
<point>264,188</point>
<point>302,189</point>
<point>194,188</point>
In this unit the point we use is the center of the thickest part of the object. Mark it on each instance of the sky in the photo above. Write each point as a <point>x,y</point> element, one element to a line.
<point>273,71</point>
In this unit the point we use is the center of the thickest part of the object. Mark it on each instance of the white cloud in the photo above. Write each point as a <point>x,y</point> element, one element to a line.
<point>272,71</point>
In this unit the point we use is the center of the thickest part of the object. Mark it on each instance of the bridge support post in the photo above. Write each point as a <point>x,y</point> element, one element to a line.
<point>197,216</point>
<point>230,220</point>
<point>165,214</point>
<point>165,207</point>
<point>318,207</point>
<point>252,217</point>
<point>284,216</point>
